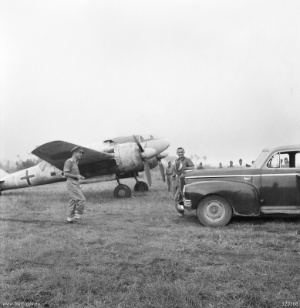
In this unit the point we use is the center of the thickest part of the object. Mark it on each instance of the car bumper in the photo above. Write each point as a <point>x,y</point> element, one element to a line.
<point>187,203</point>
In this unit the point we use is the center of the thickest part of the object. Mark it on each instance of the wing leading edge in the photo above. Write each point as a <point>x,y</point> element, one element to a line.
<point>57,152</point>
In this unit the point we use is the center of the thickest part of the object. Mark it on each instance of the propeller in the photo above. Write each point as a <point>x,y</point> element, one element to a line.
<point>145,153</point>
<point>161,169</point>
<point>147,172</point>
<point>138,144</point>
<point>160,164</point>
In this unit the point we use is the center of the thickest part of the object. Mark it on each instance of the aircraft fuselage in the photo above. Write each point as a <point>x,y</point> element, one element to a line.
<point>41,174</point>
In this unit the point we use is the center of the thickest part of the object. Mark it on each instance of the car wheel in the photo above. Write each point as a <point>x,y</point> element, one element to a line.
<point>214,211</point>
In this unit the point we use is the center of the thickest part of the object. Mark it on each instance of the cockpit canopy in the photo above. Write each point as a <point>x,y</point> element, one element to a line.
<point>144,138</point>
<point>140,138</point>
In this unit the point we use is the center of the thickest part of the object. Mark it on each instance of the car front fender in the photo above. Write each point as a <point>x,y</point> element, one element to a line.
<point>243,197</point>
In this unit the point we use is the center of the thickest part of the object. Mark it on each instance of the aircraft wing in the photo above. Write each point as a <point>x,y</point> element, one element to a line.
<point>57,152</point>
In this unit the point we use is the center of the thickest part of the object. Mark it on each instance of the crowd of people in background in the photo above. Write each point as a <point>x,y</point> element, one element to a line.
<point>170,167</point>
<point>240,165</point>
<point>200,165</point>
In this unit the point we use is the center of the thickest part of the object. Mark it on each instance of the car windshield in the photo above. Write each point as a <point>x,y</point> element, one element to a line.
<point>261,159</point>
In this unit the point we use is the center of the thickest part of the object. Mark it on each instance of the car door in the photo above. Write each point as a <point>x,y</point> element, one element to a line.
<point>280,181</point>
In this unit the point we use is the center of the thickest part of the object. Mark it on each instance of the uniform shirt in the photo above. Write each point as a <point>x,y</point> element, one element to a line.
<point>71,167</point>
<point>181,164</point>
<point>169,171</point>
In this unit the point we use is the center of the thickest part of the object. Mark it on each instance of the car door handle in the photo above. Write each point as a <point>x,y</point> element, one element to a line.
<point>246,178</point>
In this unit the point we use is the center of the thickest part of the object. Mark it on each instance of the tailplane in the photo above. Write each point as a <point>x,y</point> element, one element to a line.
<point>3,173</point>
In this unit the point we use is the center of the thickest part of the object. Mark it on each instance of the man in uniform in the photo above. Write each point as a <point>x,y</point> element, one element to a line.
<point>182,164</point>
<point>200,167</point>
<point>77,199</point>
<point>169,173</point>
<point>286,163</point>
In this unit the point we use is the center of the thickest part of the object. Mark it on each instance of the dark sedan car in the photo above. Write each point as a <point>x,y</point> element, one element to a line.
<point>270,186</point>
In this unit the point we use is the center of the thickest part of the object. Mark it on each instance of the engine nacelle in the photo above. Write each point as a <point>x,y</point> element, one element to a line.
<point>128,157</point>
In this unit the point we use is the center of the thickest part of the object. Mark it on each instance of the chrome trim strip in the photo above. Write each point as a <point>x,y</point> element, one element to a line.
<point>280,207</point>
<point>288,209</point>
<point>239,175</point>
<point>283,174</point>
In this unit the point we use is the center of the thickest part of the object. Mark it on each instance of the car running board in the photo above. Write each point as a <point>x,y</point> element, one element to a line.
<point>288,209</point>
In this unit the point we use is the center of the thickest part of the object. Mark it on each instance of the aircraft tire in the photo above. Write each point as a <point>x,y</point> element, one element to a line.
<point>141,186</point>
<point>122,191</point>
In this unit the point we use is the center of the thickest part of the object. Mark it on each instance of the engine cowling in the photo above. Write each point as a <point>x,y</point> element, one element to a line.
<point>128,157</point>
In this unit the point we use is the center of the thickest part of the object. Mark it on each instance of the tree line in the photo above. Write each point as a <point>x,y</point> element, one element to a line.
<point>13,166</point>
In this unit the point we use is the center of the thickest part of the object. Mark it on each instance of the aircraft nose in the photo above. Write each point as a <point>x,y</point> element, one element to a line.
<point>159,145</point>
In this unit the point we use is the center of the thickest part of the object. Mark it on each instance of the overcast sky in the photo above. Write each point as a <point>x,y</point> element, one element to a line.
<point>220,78</point>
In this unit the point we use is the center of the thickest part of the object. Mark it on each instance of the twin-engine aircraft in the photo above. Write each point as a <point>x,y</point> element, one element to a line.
<point>113,159</point>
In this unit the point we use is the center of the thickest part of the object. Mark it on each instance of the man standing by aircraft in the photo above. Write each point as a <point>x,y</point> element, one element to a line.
<point>77,199</point>
<point>182,164</point>
<point>169,173</point>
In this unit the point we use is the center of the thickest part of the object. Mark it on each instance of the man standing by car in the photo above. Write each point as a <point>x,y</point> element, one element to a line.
<point>182,164</point>
<point>77,199</point>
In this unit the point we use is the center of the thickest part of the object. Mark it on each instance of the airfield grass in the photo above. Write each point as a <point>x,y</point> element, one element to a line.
<point>137,253</point>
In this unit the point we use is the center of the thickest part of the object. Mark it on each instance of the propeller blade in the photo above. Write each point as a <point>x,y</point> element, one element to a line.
<point>147,172</point>
<point>138,143</point>
<point>162,171</point>
<point>145,153</point>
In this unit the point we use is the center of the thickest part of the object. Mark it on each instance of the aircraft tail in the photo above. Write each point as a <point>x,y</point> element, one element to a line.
<point>3,173</point>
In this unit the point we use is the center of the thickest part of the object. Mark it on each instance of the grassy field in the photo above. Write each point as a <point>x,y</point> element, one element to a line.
<point>137,253</point>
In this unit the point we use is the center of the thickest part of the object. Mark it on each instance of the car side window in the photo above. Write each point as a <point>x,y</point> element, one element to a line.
<point>297,160</point>
<point>284,160</point>
<point>279,160</point>
<point>274,161</point>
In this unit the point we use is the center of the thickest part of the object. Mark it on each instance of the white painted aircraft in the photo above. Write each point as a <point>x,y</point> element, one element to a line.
<point>113,159</point>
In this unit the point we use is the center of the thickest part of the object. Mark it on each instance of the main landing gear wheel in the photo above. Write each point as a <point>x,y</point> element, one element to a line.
<point>141,186</point>
<point>214,211</point>
<point>122,191</point>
